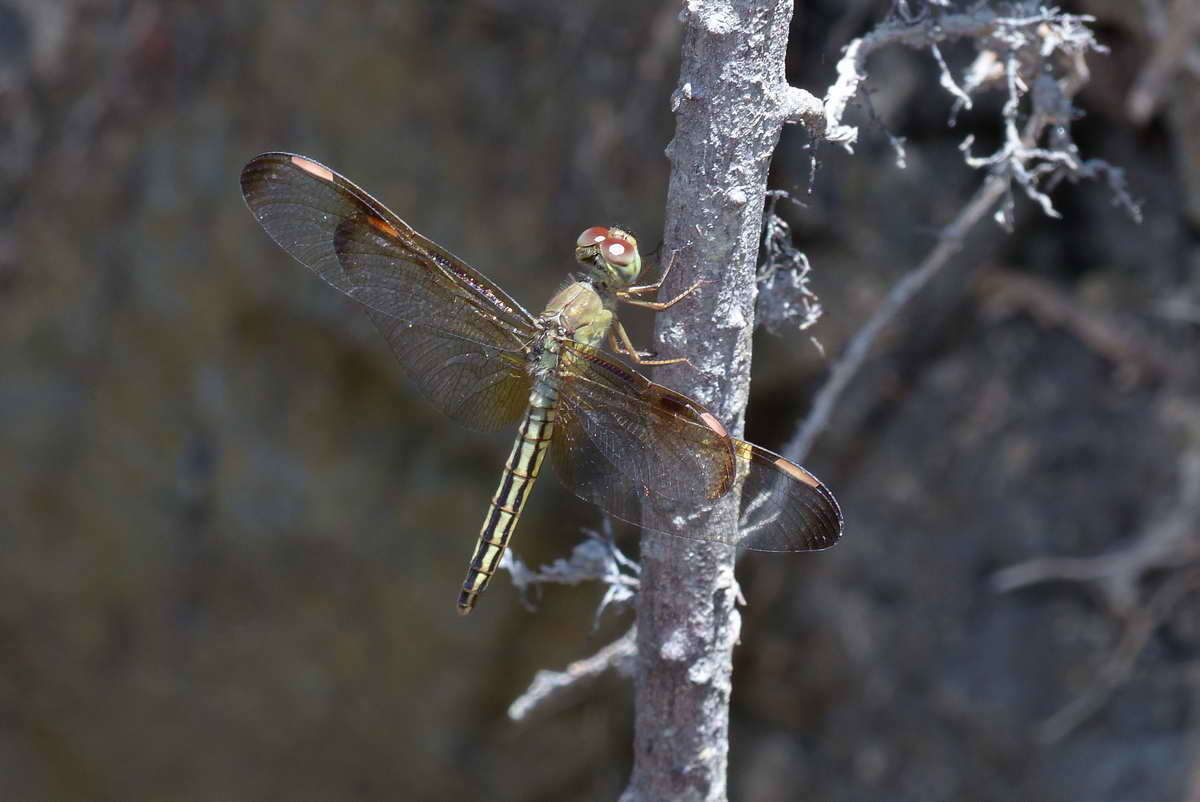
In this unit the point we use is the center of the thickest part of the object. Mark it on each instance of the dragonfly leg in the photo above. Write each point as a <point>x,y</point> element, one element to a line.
<point>625,346</point>
<point>620,349</point>
<point>659,305</point>
<point>641,289</point>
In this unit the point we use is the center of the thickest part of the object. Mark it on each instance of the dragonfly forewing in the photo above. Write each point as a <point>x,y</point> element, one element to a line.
<point>458,337</point>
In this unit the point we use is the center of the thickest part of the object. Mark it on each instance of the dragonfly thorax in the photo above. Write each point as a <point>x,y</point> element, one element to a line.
<point>579,313</point>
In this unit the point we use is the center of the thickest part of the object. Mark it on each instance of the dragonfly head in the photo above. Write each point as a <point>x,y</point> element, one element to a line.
<point>610,255</point>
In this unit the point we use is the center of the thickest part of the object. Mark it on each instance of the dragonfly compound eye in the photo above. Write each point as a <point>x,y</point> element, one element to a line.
<point>618,252</point>
<point>593,236</point>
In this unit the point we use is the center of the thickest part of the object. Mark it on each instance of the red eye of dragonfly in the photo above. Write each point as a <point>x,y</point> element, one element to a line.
<point>618,252</point>
<point>593,236</point>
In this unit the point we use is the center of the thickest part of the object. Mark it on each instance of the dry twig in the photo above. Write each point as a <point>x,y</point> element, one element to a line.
<point>549,686</point>
<point>1172,543</point>
<point>596,559</point>
<point>1135,357</point>
<point>785,301</point>
<point>1174,47</point>
<point>1139,625</point>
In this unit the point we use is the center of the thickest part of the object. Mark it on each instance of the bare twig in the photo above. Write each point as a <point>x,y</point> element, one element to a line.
<point>785,300</point>
<point>549,686</point>
<point>596,559</point>
<point>1166,59</point>
<point>1117,341</point>
<point>1139,626</point>
<point>1171,543</point>
<point>1155,17</point>
<point>1031,26</point>
<point>1179,309</point>
<point>962,99</point>
<point>1023,162</point>
<point>949,243</point>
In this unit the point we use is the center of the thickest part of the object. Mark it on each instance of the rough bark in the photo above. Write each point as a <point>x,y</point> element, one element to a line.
<point>730,107</point>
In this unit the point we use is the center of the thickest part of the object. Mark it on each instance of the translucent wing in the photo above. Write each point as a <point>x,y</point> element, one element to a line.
<point>620,438</point>
<point>458,337</point>
<point>623,442</point>
<point>783,506</point>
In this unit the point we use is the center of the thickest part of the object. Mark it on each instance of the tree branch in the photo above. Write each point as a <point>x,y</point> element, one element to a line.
<point>551,685</point>
<point>730,107</point>
<point>1030,24</point>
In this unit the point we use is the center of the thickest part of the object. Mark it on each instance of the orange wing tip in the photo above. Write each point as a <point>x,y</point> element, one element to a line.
<point>312,168</point>
<point>713,423</point>
<point>384,226</point>
<point>796,472</point>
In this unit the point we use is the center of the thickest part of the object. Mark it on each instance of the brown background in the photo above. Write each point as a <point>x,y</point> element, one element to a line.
<point>232,539</point>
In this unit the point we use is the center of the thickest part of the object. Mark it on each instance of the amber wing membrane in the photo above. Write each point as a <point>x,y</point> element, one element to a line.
<point>458,337</point>
<point>625,443</point>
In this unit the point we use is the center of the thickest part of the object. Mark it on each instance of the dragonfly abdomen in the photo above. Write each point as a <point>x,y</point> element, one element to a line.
<point>520,472</point>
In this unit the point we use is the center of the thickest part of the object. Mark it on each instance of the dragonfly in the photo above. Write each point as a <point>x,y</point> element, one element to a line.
<point>639,451</point>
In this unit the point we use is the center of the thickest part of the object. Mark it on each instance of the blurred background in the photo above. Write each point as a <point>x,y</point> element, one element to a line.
<point>232,538</point>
